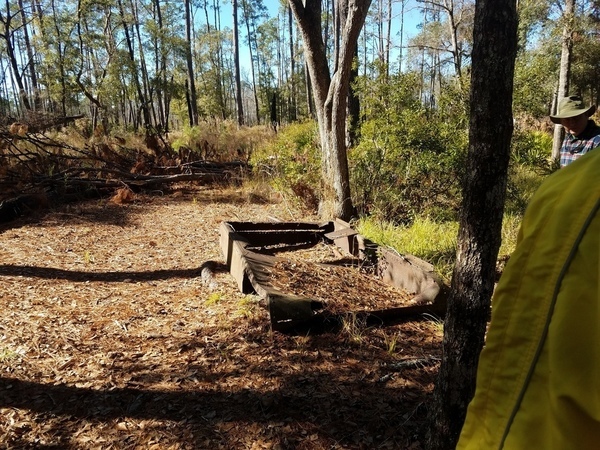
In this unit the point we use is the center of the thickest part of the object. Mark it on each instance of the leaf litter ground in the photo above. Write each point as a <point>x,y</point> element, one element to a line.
<point>122,329</point>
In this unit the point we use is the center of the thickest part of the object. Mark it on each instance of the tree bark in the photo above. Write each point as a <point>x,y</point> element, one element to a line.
<point>251,32</point>
<point>353,106</point>
<point>236,63</point>
<point>7,35</point>
<point>37,104</point>
<point>491,125</point>
<point>565,71</point>
<point>191,85</point>
<point>330,93</point>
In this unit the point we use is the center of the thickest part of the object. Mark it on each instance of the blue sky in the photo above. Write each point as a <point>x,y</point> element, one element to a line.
<point>411,14</point>
<point>412,17</point>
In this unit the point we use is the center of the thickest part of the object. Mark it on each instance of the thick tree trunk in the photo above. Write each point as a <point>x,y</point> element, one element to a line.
<point>330,93</point>
<point>491,125</point>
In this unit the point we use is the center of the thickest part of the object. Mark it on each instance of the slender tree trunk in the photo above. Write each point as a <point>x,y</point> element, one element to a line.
<point>7,34</point>
<point>136,79</point>
<point>401,46</point>
<point>61,61</point>
<point>81,22</point>
<point>37,104</point>
<point>565,70</point>
<point>455,50</point>
<point>251,38</point>
<point>219,63</point>
<point>236,63</point>
<point>5,107</point>
<point>484,190</point>
<point>148,104</point>
<point>190,84</point>
<point>294,104</point>
<point>388,38</point>
<point>380,23</point>
<point>160,65</point>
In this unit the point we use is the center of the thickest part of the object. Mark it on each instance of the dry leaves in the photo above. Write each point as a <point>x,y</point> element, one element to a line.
<point>340,288</point>
<point>110,338</point>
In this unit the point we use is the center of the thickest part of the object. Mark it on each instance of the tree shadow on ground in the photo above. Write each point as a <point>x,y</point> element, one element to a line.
<point>200,416</point>
<point>113,276</point>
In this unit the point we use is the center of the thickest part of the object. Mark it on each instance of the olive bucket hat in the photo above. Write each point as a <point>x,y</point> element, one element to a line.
<point>571,106</point>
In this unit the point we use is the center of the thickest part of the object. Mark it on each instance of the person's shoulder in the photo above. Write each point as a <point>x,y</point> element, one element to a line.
<point>594,128</point>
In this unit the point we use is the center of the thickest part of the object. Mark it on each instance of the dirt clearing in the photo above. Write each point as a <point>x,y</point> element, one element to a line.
<point>112,336</point>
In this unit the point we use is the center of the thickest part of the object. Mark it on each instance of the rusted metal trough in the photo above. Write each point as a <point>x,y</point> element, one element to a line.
<point>252,271</point>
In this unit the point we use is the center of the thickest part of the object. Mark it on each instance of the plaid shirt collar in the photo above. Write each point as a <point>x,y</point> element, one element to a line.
<point>575,146</point>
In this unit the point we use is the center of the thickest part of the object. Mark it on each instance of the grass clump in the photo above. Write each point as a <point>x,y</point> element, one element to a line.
<point>8,356</point>
<point>213,299</point>
<point>354,328</point>
<point>434,242</point>
<point>247,306</point>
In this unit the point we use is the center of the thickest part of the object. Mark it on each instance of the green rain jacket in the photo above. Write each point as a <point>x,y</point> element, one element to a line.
<point>538,379</point>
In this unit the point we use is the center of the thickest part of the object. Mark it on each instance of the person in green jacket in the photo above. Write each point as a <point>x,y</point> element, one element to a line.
<point>538,379</point>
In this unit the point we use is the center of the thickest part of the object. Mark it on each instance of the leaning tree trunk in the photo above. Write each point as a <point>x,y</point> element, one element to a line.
<point>491,125</point>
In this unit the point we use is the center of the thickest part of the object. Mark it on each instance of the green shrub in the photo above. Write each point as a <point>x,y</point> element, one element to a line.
<point>408,164</point>
<point>532,148</point>
<point>409,160</point>
<point>523,181</point>
<point>433,241</point>
<point>291,162</point>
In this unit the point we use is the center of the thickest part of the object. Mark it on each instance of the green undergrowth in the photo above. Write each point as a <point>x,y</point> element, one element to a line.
<point>405,177</point>
<point>434,242</point>
<point>431,241</point>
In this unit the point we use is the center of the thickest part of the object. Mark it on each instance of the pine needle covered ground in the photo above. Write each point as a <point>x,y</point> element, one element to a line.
<point>112,336</point>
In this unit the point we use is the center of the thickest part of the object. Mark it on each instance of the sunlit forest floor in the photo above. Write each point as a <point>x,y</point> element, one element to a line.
<point>112,337</point>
